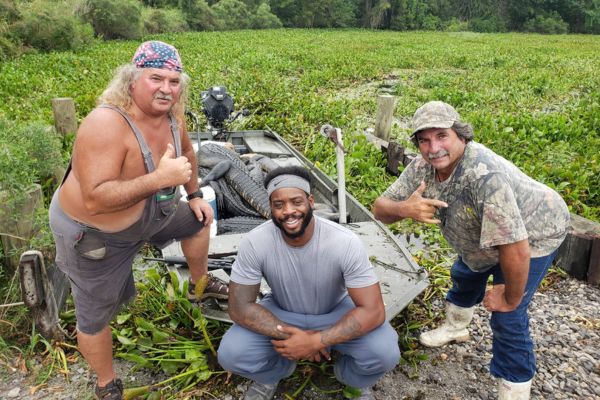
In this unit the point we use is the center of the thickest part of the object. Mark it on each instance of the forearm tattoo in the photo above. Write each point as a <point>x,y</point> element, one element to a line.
<point>344,330</point>
<point>244,310</point>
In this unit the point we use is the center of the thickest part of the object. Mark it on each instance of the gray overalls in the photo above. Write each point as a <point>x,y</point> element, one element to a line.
<point>97,263</point>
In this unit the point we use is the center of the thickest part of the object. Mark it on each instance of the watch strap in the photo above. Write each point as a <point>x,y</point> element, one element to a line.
<point>197,194</point>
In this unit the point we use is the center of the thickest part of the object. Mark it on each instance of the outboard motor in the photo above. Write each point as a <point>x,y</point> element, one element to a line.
<point>217,106</point>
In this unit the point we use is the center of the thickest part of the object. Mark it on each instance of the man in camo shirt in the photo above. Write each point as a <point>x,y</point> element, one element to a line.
<point>500,222</point>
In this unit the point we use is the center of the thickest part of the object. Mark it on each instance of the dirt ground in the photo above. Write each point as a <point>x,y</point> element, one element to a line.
<point>565,326</point>
<point>440,377</point>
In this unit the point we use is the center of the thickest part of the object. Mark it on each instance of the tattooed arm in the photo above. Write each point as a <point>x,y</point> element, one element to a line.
<point>368,314</point>
<point>244,311</point>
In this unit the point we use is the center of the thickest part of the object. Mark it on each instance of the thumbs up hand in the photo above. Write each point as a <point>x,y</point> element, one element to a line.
<point>173,170</point>
<point>423,209</point>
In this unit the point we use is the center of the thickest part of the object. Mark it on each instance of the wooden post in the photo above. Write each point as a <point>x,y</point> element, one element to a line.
<point>574,255</point>
<point>395,156</point>
<point>593,275</point>
<point>385,112</point>
<point>65,121</point>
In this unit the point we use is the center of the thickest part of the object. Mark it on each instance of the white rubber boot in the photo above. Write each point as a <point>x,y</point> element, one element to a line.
<point>454,328</point>
<point>513,390</point>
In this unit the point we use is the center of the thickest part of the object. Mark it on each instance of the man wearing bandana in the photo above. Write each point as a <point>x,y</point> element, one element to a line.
<point>501,223</point>
<point>324,296</point>
<point>121,191</point>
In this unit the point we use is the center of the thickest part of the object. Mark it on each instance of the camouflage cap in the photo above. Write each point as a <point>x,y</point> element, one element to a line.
<point>435,114</point>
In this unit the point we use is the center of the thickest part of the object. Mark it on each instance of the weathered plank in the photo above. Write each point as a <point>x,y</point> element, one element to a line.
<point>593,275</point>
<point>574,255</point>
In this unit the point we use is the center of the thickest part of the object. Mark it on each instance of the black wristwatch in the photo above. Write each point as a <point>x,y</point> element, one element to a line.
<point>197,194</point>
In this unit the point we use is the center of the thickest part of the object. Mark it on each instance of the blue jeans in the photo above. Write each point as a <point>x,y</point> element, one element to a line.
<point>364,359</point>
<point>512,347</point>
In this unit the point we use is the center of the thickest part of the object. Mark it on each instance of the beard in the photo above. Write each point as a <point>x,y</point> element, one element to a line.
<point>306,218</point>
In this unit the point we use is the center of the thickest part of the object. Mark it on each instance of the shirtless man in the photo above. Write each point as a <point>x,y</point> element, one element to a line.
<point>120,191</point>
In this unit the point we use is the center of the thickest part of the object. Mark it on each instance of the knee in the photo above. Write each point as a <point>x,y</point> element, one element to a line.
<point>384,349</point>
<point>228,353</point>
<point>391,357</point>
<point>202,234</point>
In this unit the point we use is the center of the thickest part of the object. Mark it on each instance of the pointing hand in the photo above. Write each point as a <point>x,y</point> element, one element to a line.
<point>423,209</point>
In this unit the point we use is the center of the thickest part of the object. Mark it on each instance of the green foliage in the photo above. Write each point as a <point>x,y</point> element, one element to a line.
<point>232,14</point>
<point>456,25</point>
<point>536,104</point>
<point>44,25</point>
<point>160,331</point>
<point>168,20</point>
<point>13,320</point>
<point>552,24</point>
<point>315,13</point>
<point>113,19</point>
<point>408,15</point>
<point>8,44</point>
<point>264,18</point>
<point>431,23</point>
<point>199,15</point>
<point>487,25</point>
<point>8,11</point>
<point>30,154</point>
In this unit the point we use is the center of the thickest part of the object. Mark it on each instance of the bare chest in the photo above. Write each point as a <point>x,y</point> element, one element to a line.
<point>156,141</point>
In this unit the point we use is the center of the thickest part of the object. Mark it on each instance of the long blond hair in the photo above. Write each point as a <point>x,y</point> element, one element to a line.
<point>117,93</point>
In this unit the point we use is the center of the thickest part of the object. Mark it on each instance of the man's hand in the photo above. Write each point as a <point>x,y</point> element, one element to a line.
<point>202,210</point>
<point>495,300</point>
<point>301,344</point>
<point>422,209</point>
<point>173,170</point>
<point>514,261</point>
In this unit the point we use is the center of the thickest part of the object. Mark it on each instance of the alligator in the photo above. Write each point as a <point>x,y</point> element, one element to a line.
<point>238,176</point>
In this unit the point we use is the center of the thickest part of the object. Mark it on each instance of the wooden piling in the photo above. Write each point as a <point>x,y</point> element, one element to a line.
<point>65,120</point>
<point>385,112</point>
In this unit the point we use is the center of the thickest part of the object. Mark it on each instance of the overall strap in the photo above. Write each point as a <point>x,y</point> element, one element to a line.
<point>146,153</point>
<point>176,134</point>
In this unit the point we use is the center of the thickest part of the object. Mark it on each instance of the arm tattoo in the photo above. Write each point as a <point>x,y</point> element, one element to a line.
<point>245,312</point>
<point>344,330</point>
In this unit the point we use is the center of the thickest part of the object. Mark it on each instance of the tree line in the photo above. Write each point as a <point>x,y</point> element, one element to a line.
<point>32,25</point>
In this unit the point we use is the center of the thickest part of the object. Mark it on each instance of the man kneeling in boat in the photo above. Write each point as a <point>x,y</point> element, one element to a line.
<point>500,222</point>
<point>121,190</point>
<point>325,296</point>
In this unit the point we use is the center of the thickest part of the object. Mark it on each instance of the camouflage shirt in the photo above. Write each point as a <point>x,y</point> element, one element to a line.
<point>490,203</point>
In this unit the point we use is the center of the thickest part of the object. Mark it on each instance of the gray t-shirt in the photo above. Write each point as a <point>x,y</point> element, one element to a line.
<point>311,279</point>
<point>490,203</point>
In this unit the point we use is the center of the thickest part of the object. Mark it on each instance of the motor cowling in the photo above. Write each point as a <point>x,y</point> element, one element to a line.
<point>217,105</point>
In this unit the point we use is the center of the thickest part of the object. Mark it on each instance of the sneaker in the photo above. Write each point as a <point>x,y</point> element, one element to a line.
<point>260,391</point>
<point>112,391</point>
<point>215,288</point>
